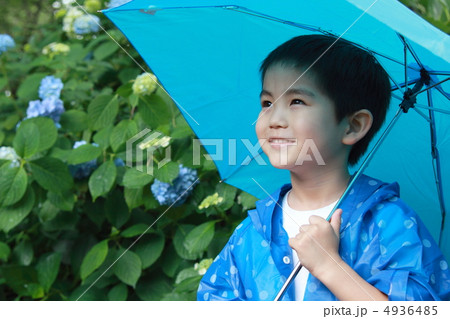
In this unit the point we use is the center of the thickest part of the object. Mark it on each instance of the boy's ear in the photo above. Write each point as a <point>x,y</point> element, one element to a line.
<point>358,125</point>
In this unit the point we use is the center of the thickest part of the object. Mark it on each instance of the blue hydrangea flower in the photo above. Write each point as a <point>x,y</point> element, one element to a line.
<point>116,3</point>
<point>167,194</point>
<point>83,170</point>
<point>34,109</point>
<point>50,86</point>
<point>119,162</point>
<point>85,24</point>
<point>6,42</point>
<point>51,107</point>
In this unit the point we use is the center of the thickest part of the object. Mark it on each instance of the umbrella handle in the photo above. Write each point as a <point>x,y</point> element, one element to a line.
<point>288,281</point>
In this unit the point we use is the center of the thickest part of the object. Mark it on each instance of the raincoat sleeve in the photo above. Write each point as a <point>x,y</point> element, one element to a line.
<point>221,281</point>
<point>401,258</point>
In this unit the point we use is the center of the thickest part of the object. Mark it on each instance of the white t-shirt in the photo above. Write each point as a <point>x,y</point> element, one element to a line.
<point>292,220</point>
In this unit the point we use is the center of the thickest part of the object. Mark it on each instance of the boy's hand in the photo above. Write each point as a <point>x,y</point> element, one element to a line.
<point>317,244</point>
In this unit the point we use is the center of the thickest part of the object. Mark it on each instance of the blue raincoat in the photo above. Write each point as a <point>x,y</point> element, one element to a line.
<point>381,238</point>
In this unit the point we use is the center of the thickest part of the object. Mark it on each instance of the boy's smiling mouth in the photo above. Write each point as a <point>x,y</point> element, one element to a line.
<point>282,141</point>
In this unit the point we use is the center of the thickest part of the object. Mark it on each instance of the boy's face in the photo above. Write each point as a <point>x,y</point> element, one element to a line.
<point>303,117</point>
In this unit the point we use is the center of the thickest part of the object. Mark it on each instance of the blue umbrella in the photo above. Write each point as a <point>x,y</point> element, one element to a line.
<point>207,55</point>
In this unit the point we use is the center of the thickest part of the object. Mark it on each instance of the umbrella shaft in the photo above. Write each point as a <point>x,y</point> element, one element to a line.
<point>289,281</point>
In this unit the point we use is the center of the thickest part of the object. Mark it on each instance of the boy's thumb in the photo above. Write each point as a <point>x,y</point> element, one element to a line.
<point>336,221</point>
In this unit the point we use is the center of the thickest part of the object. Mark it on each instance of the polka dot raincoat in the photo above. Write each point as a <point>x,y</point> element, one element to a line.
<point>382,239</point>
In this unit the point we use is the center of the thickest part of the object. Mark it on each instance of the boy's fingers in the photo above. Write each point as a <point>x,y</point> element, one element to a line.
<point>336,221</point>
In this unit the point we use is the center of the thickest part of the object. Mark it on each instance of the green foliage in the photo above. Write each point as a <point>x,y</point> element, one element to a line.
<point>59,234</point>
<point>437,12</point>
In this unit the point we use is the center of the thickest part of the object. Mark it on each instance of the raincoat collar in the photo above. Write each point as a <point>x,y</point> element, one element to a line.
<point>354,205</point>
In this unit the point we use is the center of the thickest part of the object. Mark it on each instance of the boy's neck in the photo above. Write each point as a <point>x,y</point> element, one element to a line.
<point>316,189</point>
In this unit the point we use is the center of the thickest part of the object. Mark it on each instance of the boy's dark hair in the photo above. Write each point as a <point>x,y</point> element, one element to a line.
<point>350,76</point>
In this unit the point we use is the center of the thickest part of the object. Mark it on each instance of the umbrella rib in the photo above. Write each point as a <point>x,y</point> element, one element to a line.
<point>432,109</point>
<point>436,161</point>
<point>439,73</point>
<point>432,86</point>
<point>268,17</point>
<point>411,50</point>
<point>445,94</point>
<point>403,85</point>
<point>422,114</point>
<point>405,58</point>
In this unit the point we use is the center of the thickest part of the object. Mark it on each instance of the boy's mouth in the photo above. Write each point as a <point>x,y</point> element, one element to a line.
<point>283,141</point>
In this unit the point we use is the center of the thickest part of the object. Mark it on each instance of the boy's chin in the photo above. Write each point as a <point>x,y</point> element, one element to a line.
<point>294,166</point>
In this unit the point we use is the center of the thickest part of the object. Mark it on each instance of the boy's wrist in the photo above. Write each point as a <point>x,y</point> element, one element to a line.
<point>328,270</point>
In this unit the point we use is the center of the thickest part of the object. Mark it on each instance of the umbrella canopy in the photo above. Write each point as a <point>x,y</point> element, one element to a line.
<point>207,53</point>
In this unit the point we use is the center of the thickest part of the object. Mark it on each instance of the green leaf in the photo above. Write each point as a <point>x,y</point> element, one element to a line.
<point>47,131</point>
<point>153,288</point>
<point>118,293</point>
<point>10,122</point>
<point>199,238</point>
<point>51,174</point>
<point>128,268</point>
<point>102,111</point>
<point>23,253</point>
<point>170,261</point>
<point>61,154</point>
<point>125,90</point>
<point>122,132</point>
<point>102,137</point>
<point>26,141</point>
<point>3,82</point>
<point>228,193</point>
<point>74,121</point>
<point>47,269</point>
<point>186,273</point>
<point>48,211</point>
<point>133,99</point>
<point>149,249</point>
<point>189,284</point>
<point>133,197</point>
<point>134,230</point>
<point>102,180</point>
<point>167,173</point>
<point>247,200</point>
<point>35,290</point>
<point>13,184</point>
<point>94,258</point>
<point>117,212</point>
<point>28,89</point>
<point>11,216</point>
<point>181,128</point>
<point>136,179</point>
<point>105,50</point>
<point>154,110</point>
<point>4,251</point>
<point>178,243</point>
<point>18,278</point>
<point>128,74</point>
<point>83,154</point>
<point>87,293</point>
<point>64,201</point>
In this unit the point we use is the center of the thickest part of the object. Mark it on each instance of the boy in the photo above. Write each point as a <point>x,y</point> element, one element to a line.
<point>375,247</point>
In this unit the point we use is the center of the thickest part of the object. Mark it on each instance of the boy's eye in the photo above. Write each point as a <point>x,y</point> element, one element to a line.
<point>266,104</point>
<point>298,101</point>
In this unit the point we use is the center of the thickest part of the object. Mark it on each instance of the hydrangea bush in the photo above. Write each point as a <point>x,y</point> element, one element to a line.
<point>70,200</point>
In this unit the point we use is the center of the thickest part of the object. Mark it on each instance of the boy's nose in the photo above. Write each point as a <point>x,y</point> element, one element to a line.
<point>278,117</point>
